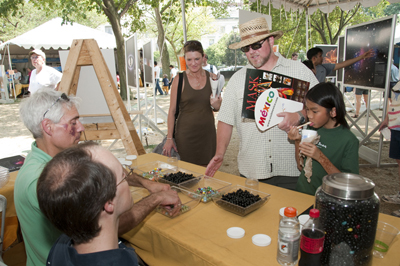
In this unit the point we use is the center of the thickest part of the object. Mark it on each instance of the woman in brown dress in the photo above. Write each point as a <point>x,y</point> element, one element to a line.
<point>195,133</point>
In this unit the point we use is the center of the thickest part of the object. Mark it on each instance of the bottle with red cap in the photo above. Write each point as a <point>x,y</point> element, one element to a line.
<point>288,238</point>
<point>312,240</point>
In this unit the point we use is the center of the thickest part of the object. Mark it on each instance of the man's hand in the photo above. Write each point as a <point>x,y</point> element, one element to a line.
<point>214,165</point>
<point>170,200</point>
<point>289,119</point>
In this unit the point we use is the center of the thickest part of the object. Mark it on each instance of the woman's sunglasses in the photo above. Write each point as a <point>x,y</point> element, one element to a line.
<point>254,46</point>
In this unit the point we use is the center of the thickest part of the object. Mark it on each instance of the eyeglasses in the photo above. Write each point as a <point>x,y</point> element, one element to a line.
<point>130,172</point>
<point>254,46</point>
<point>63,96</point>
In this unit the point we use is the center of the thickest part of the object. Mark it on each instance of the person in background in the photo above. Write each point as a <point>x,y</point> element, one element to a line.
<point>91,174</point>
<point>173,72</point>
<point>322,70</point>
<point>392,121</point>
<point>195,133</point>
<point>165,84</point>
<point>17,76</point>
<point>157,79</point>
<point>295,56</point>
<point>42,77</point>
<point>337,148</point>
<point>359,93</point>
<point>267,156</point>
<point>53,119</point>
<point>310,65</point>
<point>207,66</point>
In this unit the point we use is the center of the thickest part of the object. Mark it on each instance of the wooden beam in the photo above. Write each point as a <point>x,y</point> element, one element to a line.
<point>131,141</point>
<point>100,134</point>
<point>70,67</point>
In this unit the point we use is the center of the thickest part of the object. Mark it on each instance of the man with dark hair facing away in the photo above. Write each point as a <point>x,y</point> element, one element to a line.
<point>322,70</point>
<point>53,119</point>
<point>83,193</point>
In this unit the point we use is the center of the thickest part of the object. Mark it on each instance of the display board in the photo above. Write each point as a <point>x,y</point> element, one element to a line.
<point>340,56</point>
<point>148,62</point>
<point>93,101</point>
<point>377,35</point>
<point>131,58</point>
<point>329,54</point>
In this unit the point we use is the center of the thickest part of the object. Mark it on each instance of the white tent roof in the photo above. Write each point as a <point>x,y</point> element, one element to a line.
<point>53,35</point>
<point>325,6</point>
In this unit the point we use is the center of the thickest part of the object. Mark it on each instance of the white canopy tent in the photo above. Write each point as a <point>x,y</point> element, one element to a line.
<point>52,35</point>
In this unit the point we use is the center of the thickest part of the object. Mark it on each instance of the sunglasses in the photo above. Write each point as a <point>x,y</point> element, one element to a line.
<point>63,96</point>
<point>254,46</point>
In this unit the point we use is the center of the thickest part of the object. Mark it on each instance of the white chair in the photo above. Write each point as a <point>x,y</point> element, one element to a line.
<point>3,206</point>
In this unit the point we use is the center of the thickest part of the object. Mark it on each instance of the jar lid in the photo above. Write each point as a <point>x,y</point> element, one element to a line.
<point>348,186</point>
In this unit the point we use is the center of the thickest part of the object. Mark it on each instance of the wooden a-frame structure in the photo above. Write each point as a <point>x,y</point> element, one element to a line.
<point>86,52</point>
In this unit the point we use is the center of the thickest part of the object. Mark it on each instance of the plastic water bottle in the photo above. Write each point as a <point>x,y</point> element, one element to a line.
<point>288,238</point>
<point>312,240</point>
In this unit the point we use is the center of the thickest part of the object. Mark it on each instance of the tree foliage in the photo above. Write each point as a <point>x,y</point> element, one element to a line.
<point>324,28</point>
<point>27,17</point>
<point>220,55</point>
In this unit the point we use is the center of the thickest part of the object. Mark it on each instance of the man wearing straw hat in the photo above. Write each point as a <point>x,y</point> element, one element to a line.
<point>267,156</point>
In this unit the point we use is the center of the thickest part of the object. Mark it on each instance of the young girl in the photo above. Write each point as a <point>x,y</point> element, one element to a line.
<point>337,149</point>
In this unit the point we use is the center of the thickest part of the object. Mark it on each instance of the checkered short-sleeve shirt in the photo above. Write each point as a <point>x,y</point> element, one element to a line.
<point>262,154</point>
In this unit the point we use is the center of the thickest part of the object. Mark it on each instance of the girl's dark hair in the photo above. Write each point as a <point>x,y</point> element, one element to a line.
<point>328,96</point>
<point>193,46</point>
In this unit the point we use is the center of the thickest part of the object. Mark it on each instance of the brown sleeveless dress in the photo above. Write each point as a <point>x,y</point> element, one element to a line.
<point>195,133</point>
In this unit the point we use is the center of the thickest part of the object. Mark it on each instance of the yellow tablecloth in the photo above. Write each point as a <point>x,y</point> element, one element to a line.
<point>8,192</point>
<point>199,236</point>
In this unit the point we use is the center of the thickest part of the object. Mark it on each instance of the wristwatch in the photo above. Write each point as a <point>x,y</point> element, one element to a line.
<point>302,118</point>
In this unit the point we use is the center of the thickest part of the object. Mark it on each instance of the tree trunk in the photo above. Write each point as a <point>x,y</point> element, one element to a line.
<point>115,21</point>
<point>160,42</point>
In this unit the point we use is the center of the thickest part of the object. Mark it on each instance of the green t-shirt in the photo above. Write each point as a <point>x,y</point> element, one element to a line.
<point>39,234</point>
<point>340,146</point>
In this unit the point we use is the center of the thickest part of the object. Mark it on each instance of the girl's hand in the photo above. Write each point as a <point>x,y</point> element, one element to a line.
<point>310,150</point>
<point>169,144</point>
<point>294,134</point>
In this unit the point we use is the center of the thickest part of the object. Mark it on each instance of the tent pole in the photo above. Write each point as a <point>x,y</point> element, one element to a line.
<point>9,61</point>
<point>184,21</point>
<point>306,29</point>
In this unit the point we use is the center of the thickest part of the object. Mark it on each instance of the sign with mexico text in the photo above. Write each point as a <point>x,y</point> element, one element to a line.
<point>268,105</point>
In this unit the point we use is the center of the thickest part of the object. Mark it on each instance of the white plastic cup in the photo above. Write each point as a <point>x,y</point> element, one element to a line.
<point>133,159</point>
<point>303,219</point>
<point>385,234</point>
<point>251,183</point>
<point>308,135</point>
<point>173,160</point>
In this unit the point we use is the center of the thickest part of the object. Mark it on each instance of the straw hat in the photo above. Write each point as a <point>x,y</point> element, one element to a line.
<point>253,31</point>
